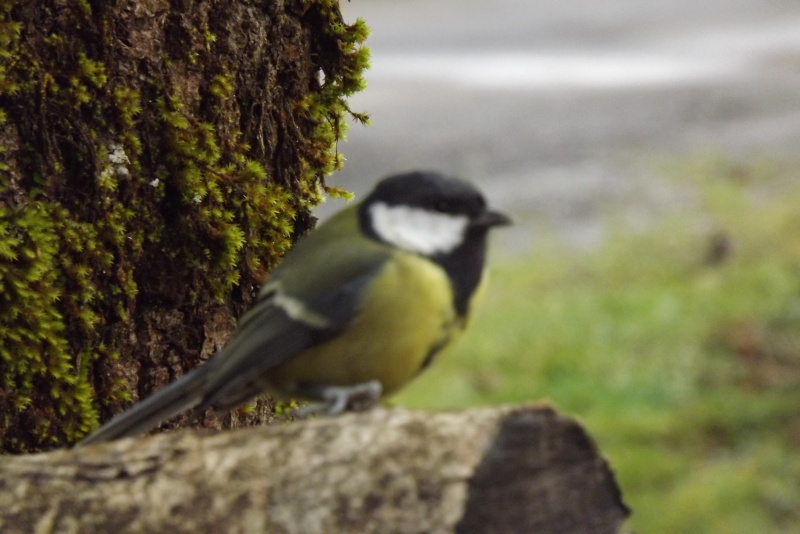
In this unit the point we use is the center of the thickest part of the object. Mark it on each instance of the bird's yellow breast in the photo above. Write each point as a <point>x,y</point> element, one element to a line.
<point>408,316</point>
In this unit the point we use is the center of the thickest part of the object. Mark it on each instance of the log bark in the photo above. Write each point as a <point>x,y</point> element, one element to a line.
<point>512,469</point>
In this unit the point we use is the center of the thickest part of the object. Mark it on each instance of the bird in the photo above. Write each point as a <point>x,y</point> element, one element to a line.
<point>353,312</point>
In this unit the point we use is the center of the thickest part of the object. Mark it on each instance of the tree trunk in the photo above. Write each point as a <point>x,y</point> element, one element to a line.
<point>156,160</point>
<point>514,469</point>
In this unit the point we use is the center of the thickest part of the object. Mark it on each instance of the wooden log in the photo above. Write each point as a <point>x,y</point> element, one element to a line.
<point>510,469</point>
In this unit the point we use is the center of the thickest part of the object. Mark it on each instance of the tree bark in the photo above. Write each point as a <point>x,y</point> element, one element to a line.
<point>512,469</point>
<point>157,158</point>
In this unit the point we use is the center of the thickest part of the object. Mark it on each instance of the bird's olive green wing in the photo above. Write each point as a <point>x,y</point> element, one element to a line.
<point>310,298</point>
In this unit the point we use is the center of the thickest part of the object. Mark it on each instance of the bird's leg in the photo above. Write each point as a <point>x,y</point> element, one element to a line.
<point>337,399</point>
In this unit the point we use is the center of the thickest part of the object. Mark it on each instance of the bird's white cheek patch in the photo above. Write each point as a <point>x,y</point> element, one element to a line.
<point>418,230</point>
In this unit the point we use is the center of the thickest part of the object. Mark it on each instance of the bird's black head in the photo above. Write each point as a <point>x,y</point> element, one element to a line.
<point>426,212</point>
<point>430,191</point>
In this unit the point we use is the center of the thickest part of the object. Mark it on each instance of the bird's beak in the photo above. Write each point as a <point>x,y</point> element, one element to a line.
<point>491,218</point>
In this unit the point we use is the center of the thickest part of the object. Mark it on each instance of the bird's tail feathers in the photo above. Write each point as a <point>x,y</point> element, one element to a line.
<point>181,395</point>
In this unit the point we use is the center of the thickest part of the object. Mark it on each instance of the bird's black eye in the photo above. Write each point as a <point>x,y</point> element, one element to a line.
<point>442,206</point>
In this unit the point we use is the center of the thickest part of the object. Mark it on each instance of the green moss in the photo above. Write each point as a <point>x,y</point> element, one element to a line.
<point>222,86</point>
<point>10,31</point>
<point>35,355</point>
<point>342,77</point>
<point>128,107</point>
<point>92,71</point>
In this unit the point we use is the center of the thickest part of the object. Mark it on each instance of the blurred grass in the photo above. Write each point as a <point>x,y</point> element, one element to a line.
<point>678,346</point>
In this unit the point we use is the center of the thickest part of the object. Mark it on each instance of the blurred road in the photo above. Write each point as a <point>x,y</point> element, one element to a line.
<point>558,109</point>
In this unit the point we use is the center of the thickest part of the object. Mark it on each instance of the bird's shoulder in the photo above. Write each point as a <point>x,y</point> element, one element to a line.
<point>327,269</point>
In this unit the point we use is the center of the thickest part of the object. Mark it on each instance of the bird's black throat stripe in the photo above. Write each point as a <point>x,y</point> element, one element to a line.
<point>464,268</point>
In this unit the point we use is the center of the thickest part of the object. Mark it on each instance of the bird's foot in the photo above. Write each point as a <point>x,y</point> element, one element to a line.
<point>337,399</point>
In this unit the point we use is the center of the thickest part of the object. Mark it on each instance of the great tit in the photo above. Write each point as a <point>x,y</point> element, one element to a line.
<point>355,310</point>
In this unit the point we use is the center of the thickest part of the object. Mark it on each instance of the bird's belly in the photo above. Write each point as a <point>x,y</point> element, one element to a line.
<point>409,318</point>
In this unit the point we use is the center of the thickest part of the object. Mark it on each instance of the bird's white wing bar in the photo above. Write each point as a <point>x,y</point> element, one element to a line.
<point>294,308</point>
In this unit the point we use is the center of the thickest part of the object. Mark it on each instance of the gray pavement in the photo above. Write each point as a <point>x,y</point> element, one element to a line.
<point>558,110</point>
